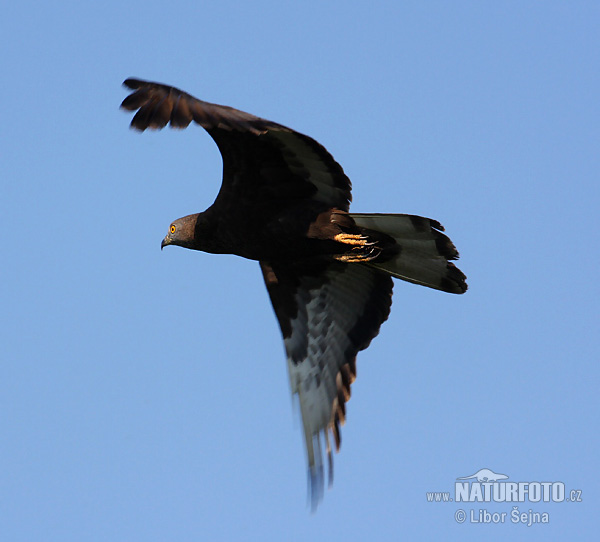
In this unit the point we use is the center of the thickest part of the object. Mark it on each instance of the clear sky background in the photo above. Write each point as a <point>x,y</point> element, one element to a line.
<point>144,395</point>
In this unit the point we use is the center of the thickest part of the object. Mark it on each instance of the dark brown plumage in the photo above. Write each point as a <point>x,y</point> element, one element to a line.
<point>284,202</point>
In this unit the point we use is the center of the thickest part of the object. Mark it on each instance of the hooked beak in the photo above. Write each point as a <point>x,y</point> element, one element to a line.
<point>166,241</point>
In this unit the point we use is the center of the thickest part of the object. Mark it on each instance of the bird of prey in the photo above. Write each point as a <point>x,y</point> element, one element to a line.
<point>284,202</point>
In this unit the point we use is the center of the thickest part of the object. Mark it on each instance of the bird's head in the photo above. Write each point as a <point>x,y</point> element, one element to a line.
<point>181,232</point>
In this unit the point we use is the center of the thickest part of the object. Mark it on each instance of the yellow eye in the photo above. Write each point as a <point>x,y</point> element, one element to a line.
<point>172,229</point>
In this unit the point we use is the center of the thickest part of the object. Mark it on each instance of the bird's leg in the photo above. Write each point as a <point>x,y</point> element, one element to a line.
<point>364,253</point>
<point>352,239</point>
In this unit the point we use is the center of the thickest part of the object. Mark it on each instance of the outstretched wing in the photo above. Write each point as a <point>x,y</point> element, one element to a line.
<point>328,313</point>
<point>267,167</point>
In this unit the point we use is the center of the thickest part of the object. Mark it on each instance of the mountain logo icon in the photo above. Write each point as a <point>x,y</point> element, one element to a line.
<point>485,475</point>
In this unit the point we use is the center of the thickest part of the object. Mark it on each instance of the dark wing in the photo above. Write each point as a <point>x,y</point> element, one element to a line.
<point>264,163</point>
<point>327,313</point>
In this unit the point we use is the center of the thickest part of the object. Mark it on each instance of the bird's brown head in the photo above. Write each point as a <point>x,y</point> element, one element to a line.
<point>181,232</point>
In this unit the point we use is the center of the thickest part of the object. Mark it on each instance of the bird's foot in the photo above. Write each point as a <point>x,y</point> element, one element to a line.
<point>359,254</point>
<point>352,239</point>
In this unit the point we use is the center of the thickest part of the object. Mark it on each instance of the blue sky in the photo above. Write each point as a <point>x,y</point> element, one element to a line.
<point>144,395</point>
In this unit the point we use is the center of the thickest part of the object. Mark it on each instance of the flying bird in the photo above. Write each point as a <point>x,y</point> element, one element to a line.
<point>284,202</point>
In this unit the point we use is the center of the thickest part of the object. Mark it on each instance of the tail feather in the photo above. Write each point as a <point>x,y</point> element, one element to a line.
<point>421,253</point>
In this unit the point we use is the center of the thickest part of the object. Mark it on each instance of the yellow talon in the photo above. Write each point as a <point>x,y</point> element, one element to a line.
<point>351,239</point>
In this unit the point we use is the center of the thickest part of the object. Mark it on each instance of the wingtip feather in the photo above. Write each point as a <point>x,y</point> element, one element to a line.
<point>133,83</point>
